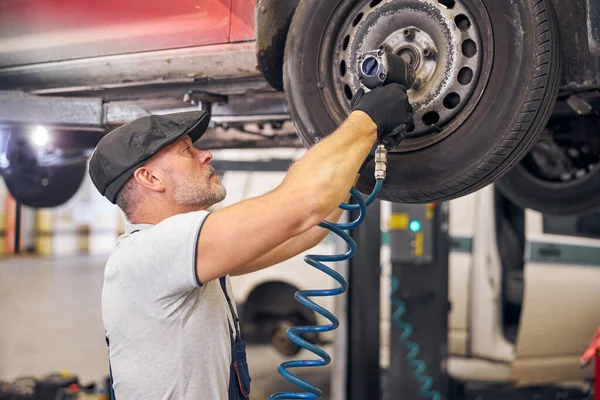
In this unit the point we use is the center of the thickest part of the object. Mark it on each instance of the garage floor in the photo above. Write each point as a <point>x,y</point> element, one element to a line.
<point>51,321</point>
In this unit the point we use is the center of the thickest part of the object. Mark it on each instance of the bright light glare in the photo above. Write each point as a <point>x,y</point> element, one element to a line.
<point>40,136</point>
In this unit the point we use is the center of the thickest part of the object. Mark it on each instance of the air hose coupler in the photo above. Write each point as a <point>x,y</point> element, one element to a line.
<point>380,162</point>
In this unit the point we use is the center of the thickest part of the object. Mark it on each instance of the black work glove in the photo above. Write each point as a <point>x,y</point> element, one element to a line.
<point>389,108</point>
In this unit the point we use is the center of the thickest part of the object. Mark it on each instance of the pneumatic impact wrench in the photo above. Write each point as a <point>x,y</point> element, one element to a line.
<point>378,68</point>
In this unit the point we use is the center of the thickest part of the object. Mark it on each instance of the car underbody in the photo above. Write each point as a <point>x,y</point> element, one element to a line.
<point>75,91</point>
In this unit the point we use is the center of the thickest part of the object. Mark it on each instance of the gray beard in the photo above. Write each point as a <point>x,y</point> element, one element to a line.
<point>197,195</point>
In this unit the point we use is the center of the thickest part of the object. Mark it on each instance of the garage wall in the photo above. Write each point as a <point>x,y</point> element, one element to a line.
<point>86,224</point>
<point>28,218</point>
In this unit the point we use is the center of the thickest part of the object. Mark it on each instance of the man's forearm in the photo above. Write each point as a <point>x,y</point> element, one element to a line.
<point>293,246</point>
<point>329,168</point>
<point>312,237</point>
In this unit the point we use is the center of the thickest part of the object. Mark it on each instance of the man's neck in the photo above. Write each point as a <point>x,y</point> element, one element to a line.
<point>160,213</point>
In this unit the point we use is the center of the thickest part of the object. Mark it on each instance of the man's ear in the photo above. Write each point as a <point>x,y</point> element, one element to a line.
<point>150,179</point>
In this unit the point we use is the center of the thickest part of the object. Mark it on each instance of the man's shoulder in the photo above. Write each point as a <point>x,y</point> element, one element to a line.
<point>174,222</point>
<point>167,232</point>
<point>145,241</point>
<point>182,219</point>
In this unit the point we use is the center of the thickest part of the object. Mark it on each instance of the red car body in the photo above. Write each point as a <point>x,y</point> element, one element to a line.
<point>37,31</point>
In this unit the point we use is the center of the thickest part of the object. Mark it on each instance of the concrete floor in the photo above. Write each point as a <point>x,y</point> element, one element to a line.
<point>51,321</point>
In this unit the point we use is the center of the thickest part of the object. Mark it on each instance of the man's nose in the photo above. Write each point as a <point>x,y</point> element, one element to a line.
<point>205,156</point>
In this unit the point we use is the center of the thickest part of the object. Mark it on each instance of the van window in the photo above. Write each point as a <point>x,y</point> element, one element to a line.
<point>581,225</point>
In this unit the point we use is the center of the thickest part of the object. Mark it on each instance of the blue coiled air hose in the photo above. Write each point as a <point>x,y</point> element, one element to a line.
<point>310,391</point>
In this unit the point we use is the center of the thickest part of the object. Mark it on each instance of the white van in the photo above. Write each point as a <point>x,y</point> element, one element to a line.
<point>524,287</point>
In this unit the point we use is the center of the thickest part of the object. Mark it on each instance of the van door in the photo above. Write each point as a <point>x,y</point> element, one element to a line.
<point>460,264</point>
<point>488,339</point>
<point>561,297</point>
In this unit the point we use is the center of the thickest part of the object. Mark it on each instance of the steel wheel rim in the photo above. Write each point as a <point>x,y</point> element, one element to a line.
<point>450,80</point>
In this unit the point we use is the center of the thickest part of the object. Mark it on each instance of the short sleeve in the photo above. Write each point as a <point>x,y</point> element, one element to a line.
<point>161,259</point>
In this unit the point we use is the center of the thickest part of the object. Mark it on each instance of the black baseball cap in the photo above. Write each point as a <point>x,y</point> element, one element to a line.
<point>126,148</point>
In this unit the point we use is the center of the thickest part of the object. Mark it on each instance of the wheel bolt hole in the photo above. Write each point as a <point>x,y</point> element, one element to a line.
<point>346,42</point>
<point>469,48</point>
<point>374,3</point>
<point>465,76</point>
<point>343,68</point>
<point>462,22</point>
<point>348,92</point>
<point>451,101</point>
<point>357,19</point>
<point>431,118</point>
<point>447,3</point>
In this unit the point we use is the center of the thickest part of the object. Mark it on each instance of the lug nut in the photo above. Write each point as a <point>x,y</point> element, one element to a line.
<point>409,33</point>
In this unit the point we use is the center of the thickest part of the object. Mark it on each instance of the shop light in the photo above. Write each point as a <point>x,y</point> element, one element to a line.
<point>40,136</point>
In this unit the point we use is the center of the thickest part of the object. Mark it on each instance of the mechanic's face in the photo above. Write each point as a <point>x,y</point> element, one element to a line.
<point>190,178</point>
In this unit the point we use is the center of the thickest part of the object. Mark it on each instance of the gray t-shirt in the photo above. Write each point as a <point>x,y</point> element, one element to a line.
<point>168,333</point>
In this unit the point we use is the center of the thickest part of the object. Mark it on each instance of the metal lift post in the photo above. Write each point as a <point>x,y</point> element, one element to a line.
<point>363,368</point>
<point>419,245</point>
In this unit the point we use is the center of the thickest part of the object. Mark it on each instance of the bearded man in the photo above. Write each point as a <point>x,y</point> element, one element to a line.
<point>169,320</point>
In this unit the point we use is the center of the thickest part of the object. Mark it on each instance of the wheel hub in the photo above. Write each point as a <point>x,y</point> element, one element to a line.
<point>418,49</point>
<point>564,156</point>
<point>440,39</point>
<point>410,55</point>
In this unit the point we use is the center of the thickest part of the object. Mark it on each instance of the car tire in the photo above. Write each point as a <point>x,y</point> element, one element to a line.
<point>580,197</point>
<point>39,186</point>
<point>60,183</point>
<point>561,174</point>
<point>506,111</point>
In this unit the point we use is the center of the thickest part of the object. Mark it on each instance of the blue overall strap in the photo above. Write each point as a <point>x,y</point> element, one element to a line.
<point>233,313</point>
<point>239,375</point>
<point>111,381</point>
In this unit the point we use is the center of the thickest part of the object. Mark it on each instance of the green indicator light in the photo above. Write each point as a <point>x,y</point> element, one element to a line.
<point>415,226</point>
